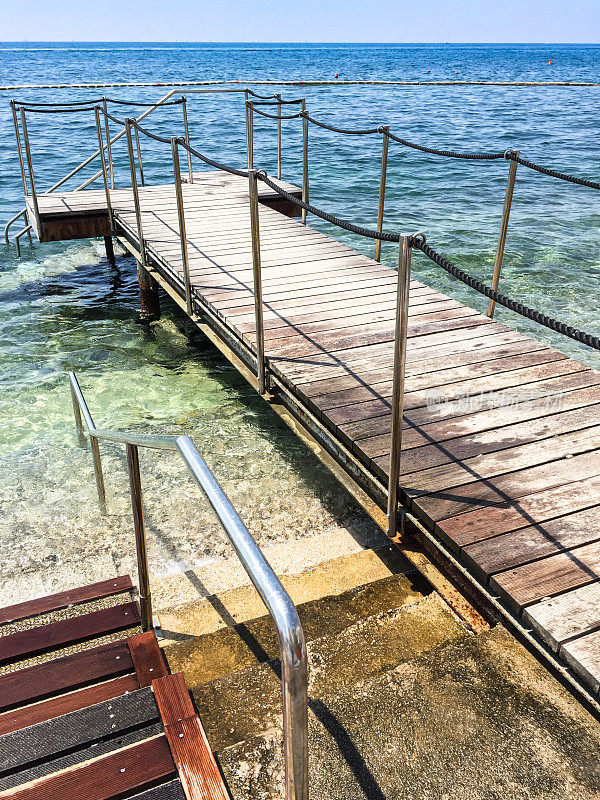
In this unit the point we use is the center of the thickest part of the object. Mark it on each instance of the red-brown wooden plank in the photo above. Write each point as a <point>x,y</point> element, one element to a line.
<point>196,765</point>
<point>70,597</point>
<point>49,709</point>
<point>76,629</point>
<point>173,698</point>
<point>62,674</point>
<point>147,657</point>
<point>106,778</point>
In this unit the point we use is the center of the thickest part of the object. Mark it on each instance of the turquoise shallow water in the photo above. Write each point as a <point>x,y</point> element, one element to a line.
<point>63,307</point>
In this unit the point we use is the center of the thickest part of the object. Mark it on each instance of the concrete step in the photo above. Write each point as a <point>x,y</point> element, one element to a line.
<point>242,603</point>
<point>243,703</point>
<point>476,718</point>
<point>227,650</point>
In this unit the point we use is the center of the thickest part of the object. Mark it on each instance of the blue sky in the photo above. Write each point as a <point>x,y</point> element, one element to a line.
<point>303,20</point>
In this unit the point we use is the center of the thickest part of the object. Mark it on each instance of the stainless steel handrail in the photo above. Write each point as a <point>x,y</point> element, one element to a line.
<point>277,601</point>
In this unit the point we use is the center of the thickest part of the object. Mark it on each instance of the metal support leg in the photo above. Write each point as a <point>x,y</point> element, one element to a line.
<point>398,381</point>
<point>108,144</point>
<point>186,133</point>
<point>98,473</point>
<point>304,162</point>
<point>256,267</point>
<point>110,250</point>
<point>149,297</point>
<point>182,231</point>
<point>250,133</point>
<point>135,485</point>
<point>36,209</point>
<point>278,96</point>
<point>384,157</point>
<point>78,419</point>
<point>106,182</point>
<point>510,186</point>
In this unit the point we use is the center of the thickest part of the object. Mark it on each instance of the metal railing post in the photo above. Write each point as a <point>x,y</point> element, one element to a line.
<point>256,270</point>
<point>250,133</point>
<point>508,195</point>
<point>384,157</point>
<point>134,188</point>
<point>181,218</point>
<point>400,338</point>
<point>139,155</point>
<point>135,485</point>
<point>19,150</point>
<point>278,96</point>
<point>36,208</point>
<point>304,161</point>
<point>108,144</point>
<point>186,133</point>
<point>95,447</point>
<point>104,170</point>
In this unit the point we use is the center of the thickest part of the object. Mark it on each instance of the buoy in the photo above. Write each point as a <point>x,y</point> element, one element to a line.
<point>336,75</point>
<point>428,70</point>
<point>549,62</point>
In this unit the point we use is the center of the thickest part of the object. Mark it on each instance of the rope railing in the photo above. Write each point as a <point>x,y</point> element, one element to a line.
<point>30,105</point>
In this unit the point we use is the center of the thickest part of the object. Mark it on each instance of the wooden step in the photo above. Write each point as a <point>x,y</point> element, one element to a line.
<point>71,597</point>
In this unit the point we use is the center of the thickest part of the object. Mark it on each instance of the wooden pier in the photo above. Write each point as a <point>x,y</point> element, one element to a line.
<point>501,446</point>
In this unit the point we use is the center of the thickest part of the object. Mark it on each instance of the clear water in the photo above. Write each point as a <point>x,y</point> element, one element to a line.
<point>63,307</point>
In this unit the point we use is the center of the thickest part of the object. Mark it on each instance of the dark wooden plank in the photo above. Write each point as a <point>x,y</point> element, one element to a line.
<point>71,597</point>
<point>551,576</point>
<point>147,657</point>
<point>76,629</point>
<point>535,508</point>
<point>75,730</point>
<point>74,758</point>
<point>533,542</point>
<point>166,791</point>
<point>198,770</point>
<point>60,675</point>
<point>107,778</point>
<point>64,704</point>
<point>173,698</point>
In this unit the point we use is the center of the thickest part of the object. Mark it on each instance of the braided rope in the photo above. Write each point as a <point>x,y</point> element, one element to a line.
<point>339,130</point>
<point>114,119</point>
<point>36,110</point>
<point>149,134</point>
<point>563,176</point>
<point>275,116</point>
<point>279,102</point>
<point>513,305</point>
<point>177,102</point>
<point>447,153</point>
<point>231,170</point>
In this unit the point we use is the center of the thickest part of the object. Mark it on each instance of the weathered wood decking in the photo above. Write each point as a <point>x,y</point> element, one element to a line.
<point>501,450</point>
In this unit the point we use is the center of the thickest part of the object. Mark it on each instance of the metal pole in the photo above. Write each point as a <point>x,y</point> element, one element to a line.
<point>384,157</point>
<point>278,96</point>
<point>77,415</point>
<point>256,268</point>
<point>139,155</point>
<point>187,139</point>
<point>398,381</point>
<point>181,217</point>
<point>108,144</point>
<point>104,171</point>
<point>34,198</point>
<point>510,186</point>
<point>19,150</point>
<point>98,473</point>
<point>134,187</point>
<point>250,133</point>
<point>304,161</point>
<point>135,485</point>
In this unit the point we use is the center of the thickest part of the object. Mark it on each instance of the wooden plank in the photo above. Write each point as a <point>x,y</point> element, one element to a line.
<point>537,507</point>
<point>529,583</point>
<point>64,704</point>
<point>69,672</point>
<point>583,655</point>
<point>54,602</point>
<point>147,657</point>
<point>499,553</point>
<point>76,629</point>
<point>107,778</point>
<point>568,616</point>
<point>75,730</point>
<point>173,698</point>
<point>198,770</point>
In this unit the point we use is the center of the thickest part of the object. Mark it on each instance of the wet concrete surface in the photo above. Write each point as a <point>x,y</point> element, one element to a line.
<point>477,719</point>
